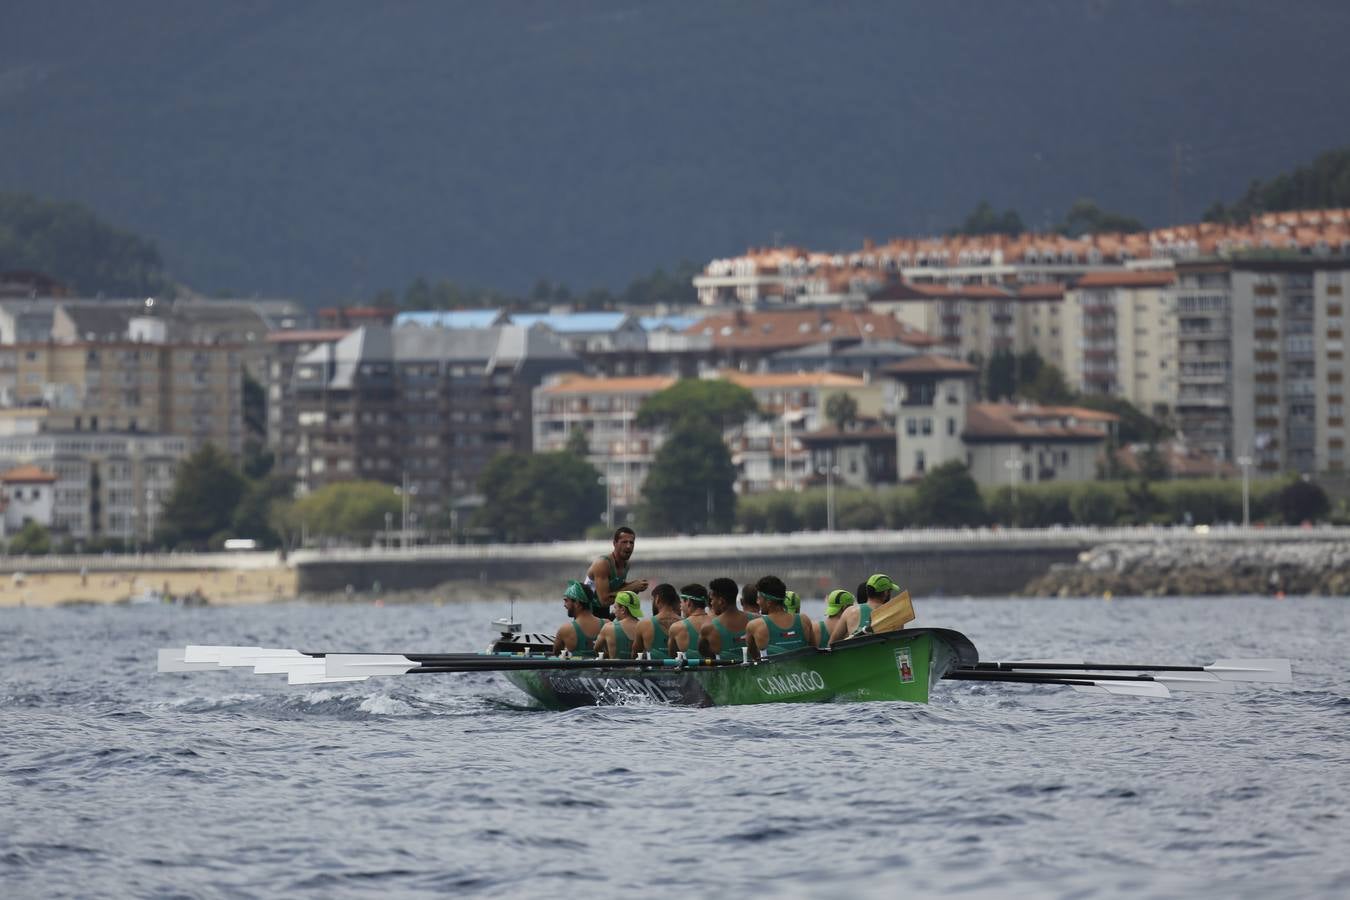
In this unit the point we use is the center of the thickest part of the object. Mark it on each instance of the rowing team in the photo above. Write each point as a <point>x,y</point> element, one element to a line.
<point>704,622</point>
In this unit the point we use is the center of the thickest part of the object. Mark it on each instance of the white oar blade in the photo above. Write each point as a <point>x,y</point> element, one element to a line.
<point>1195,681</point>
<point>284,666</point>
<point>1275,671</point>
<point>197,653</point>
<point>308,677</point>
<point>363,665</point>
<point>1125,688</point>
<point>1020,663</point>
<point>171,660</point>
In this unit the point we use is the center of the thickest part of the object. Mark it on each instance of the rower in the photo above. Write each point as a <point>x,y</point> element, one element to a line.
<point>749,600</point>
<point>725,635</point>
<point>835,603</point>
<point>653,635</point>
<point>694,605</point>
<point>616,638</point>
<point>578,636</point>
<point>777,630</point>
<point>857,619</point>
<point>608,574</point>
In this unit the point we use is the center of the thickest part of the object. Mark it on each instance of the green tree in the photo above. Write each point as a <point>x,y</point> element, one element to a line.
<point>256,514</point>
<point>984,220</point>
<point>948,497</point>
<point>577,443</point>
<point>1303,501</point>
<point>255,408</point>
<point>709,400</point>
<point>1135,426</point>
<point>540,496</point>
<point>689,489</point>
<point>1152,465</point>
<point>1322,184</point>
<point>205,493</point>
<point>1000,376</point>
<point>70,243</point>
<point>31,540</point>
<point>351,510</point>
<point>1085,217</point>
<point>1094,504</point>
<point>1049,387</point>
<point>841,409</point>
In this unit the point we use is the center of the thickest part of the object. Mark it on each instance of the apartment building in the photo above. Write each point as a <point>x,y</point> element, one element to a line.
<point>605,411</point>
<point>106,485</point>
<point>133,386</point>
<point>1119,337</point>
<point>283,434</point>
<point>794,276</point>
<point>767,449</point>
<point>748,341</point>
<point>976,321</point>
<point>423,406</point>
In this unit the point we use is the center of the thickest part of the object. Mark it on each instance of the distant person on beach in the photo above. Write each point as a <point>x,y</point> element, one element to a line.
<point>608,574</point>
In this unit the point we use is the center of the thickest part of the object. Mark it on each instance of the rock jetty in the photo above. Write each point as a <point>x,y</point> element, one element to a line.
<point>1198,567</point>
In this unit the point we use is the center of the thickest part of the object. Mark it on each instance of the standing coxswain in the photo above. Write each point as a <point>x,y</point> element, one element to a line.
<point>608,574</point>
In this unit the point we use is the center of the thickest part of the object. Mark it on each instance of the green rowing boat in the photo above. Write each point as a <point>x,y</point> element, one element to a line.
<point>897,665</point>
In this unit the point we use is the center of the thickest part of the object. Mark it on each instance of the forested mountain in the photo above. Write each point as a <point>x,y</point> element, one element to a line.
<point>331,148</point>
<point>1323,183</point>
<point>71,244</point>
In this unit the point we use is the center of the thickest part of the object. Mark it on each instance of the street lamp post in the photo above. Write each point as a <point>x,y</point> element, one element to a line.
<point>1246,463</point>
<point>1013,465</point>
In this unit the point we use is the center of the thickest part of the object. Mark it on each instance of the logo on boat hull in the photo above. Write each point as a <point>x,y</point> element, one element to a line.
<point>905,665</point>
<point>796,683</point>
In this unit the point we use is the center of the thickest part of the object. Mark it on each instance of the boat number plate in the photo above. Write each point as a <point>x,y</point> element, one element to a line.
<point>905,665</point>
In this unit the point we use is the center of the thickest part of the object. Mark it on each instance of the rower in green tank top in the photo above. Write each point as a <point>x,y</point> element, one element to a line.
<point>724,638</point>
<point>694,605</point>
<point>653,635</point>
<point>616,638</point>
<point>835,603</point>
<point>857,619</point>
<point>578,636</point>
<point>777,630</point>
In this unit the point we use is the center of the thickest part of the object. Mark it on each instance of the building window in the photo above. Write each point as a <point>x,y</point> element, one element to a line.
<point>951,427</point>
<point>918,461</point>
<point>911,427</point>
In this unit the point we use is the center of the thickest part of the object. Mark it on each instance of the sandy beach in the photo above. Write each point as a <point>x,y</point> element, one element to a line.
<point>218,586</point>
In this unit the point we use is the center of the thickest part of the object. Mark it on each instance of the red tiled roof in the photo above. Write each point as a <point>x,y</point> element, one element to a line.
<point>27,474</point>
<point>1126,279</point>
<point>1007,421</point>
<point>583,384</point>
<point>929,364</point>
<point>798,328</point>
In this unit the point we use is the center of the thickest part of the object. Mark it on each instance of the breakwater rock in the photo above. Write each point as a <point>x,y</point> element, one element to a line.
<point>1168,568</point>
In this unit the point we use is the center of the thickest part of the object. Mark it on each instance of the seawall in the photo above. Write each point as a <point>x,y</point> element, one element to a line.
<point>960,562</point>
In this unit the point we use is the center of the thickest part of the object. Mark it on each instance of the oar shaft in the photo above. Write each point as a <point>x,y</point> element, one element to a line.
<point>1001,674</point>
<point>1099,667</point>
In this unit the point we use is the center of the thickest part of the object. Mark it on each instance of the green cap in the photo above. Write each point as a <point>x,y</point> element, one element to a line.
<point>882,583</point>
<point>792,603</point>
<point>577,593</point>
<point>629,601</point>
<point>837,600</point>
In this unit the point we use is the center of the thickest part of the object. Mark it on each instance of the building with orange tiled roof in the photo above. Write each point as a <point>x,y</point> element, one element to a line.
<point>27,493</point>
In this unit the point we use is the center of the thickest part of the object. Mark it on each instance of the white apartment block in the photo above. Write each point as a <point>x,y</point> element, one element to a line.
<point>976,321</point>
<point>107,485</point>
<point>766,449</point>
<point>1119,338</point>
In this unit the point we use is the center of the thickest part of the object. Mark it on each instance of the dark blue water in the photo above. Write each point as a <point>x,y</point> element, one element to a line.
<point>115,781</point>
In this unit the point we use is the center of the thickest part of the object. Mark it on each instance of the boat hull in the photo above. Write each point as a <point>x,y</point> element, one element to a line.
<point>898,665</point>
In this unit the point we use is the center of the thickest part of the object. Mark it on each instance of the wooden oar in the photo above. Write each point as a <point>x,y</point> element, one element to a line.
<point>893,614</point>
